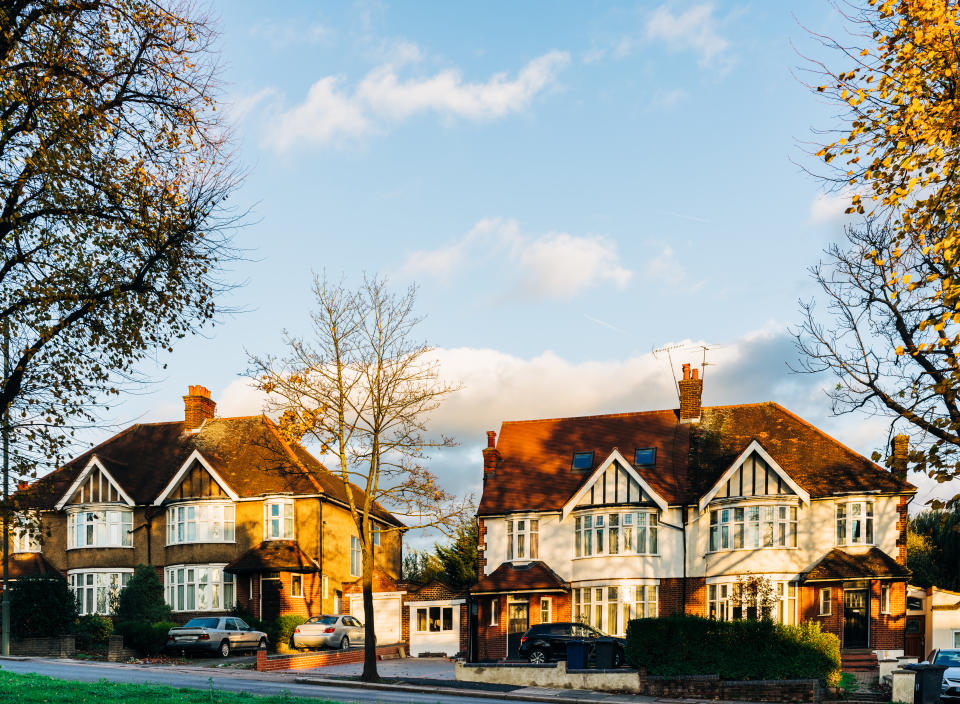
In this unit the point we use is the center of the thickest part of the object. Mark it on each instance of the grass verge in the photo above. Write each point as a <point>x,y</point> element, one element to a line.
<point>40,689</point>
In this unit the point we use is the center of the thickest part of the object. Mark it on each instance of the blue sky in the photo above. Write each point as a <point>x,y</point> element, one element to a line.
<point>572,184</point>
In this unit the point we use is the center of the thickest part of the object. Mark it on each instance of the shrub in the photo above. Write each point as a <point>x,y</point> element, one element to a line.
<point>142,598</point>
<point>146,638</point>
<point>92,631</point>
<point>248,618</point>
<point>690,645</point>
<point>41,606</point>
<point>281,630</point>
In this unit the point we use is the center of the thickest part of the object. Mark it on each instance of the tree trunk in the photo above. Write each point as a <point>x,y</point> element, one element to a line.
<point>370,641</point>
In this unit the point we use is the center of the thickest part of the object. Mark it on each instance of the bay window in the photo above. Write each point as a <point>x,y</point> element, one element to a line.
<point>627,533</point>
<point>97,591</point>
<point>609,608</point>
<point>102,528</point>
<point>749,527</point>
<point>753,599</point>
<point>199,588</point>
<point>201,523</point>
<point>523,539</point>
<point>855,523</point>
<point>278,519</point>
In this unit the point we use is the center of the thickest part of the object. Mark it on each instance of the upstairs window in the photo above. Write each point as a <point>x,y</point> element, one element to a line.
<point>278,519</point>
<point>753,527</point>
<point>25,536</point>
<point>582,461</point>
<point>200,523</point>
<point>855,523</point>
<point>645,457</point>
<point>523,539</point>
<point>356,564</point>
<point>100,529</point>
<point>616,534</point>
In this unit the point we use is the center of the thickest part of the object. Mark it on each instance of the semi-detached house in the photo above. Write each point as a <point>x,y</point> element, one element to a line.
<point>602,519</point>
<point>227,511</point>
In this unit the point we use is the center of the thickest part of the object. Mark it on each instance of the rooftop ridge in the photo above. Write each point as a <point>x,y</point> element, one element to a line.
<point>625,414</point>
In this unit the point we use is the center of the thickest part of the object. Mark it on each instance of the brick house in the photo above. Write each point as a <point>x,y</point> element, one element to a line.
<point>227,511</point>
<point>607,518</point>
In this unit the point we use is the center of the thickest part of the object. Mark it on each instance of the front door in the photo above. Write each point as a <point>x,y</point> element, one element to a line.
<point>913,638</point>
<point>518,621</point>
<point>856,618</point>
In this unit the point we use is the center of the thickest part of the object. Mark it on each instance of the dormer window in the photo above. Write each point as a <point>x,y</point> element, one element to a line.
<point>645,457</point>
<point>582,461</point>
<point>523,537</point>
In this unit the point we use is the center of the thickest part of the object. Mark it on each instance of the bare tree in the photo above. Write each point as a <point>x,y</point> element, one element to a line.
<point>890,334</point>
<point>363,389</point>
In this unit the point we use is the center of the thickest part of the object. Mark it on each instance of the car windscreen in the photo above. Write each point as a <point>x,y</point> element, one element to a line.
<point>323,620</point>
<point>950,659</point>
<point>202,623</point>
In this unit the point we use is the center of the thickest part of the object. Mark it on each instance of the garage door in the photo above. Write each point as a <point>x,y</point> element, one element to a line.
<point>386,616</point>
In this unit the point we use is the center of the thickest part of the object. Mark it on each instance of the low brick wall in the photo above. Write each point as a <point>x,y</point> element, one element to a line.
<point>322,658</point>
<point>54,646</point>
<point>116,652</point>
<point>625,680</point>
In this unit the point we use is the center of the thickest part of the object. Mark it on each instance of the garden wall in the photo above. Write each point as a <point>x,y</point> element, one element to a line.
<point>53,646</point>
<point>308,661</point>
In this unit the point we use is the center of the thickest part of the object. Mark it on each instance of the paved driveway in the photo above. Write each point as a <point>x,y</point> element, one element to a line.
<point>421,668</point>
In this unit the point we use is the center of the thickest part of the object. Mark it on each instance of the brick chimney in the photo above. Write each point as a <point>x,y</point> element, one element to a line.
<point>197,407</point>
<point>900,448</point>
<point>691,388</point>
<point>491,455</point>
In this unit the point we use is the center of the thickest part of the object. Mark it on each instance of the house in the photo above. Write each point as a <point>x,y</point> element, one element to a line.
<point>716,511</point>
<point>933,620</point>
<point>227,511</point>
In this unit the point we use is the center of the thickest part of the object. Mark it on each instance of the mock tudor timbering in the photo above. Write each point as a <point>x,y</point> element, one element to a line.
<point>607,518</point>
<point>226,510</point>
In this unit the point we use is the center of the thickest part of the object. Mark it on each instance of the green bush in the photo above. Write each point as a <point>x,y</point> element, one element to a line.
<point>735,650</point>
<point>142,599</point>
<point>146,638</point>
<point>41,606</point>
<point>248,618</point>
<point>281,630</point>
<point>92,631</point>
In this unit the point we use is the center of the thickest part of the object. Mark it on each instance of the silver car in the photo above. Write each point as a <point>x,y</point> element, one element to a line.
<point>328,632</point>
<point>221,635</point>
<point>950,689</point>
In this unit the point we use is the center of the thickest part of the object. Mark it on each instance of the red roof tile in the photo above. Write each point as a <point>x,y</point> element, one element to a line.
<point>31,564</point>
<point>534,473</point>
<point>273,556</point>
<point>523,576</point>
<point>838,565</point>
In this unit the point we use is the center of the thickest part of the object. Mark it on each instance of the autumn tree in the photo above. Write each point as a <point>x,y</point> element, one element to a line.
<point>933,549</point>
<point>890,329</point>
<point>361,388</point>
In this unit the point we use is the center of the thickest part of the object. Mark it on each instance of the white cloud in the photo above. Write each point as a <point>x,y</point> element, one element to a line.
<point>554,265</point>
<point>665,267</point>
<point>827,208</point>
<point>382,98</point>
<point>694,30</point>
<point>244,104</point>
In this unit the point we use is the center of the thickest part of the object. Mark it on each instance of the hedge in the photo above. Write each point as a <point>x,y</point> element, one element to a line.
<point>735,650</point>
<point>146,638</point>
<point>281,630</point>
<point>41,606</point>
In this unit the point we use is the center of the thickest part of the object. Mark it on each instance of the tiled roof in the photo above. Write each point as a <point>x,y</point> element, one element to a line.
<point>273,556</point>
<point>534,473</point>
<point>524,576</point>
<point>30,564</point>
<point>247,452</point>
<point>838,565</point>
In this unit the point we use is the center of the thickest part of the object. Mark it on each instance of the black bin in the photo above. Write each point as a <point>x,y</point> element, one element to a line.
<point>576,655</point>
<point>929,680</point>
<point>606,651</point>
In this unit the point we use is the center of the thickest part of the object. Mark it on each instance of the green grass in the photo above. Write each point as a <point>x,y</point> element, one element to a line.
<point>40,689</point>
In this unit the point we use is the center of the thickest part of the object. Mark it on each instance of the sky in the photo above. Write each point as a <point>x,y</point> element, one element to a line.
<point>570,184</point>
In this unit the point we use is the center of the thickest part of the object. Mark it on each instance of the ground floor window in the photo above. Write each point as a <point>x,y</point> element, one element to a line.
<point>608,608</point>
<point>956,639</point>
<point>545,605</point>
<point>753,598</point>
<point>434,619</point>
<point>97,592</point>
<point>199,588</point>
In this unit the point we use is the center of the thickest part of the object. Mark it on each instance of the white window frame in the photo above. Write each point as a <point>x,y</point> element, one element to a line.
<point>25,535</point>
<point>596,604</point>
<point>356,553</point>
<point>846,520</point>
<point>774,527</point>
<point>523,539</point>
<point>494,611</point>
<point>956,639</point>
<point>180,580</point>
<point>885,598</point>
<point>96,520</point>
<point>296,579</point>
<point>548,602</point>
<point>828,593</point>
<point>722,601</point>
<point>616,533</point>
<point>426,611</point>
<point>326,587</point>
<point>286,524</point>
<point>211,522</point>
<point>94,587</point>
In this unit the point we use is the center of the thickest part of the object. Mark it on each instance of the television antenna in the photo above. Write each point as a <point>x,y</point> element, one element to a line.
<point>668,349</point>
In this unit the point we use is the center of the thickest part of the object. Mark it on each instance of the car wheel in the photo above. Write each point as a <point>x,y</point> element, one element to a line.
<point>262,645</point>
<point>537,657</point>
<point>225,649</point>
<point>344,643</point>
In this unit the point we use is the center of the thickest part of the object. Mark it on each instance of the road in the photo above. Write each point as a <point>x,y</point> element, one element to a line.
<point>236,681</point>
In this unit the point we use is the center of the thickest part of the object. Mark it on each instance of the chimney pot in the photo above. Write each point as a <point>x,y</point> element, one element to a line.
<point>686,372</point>
<point>691,390</point>
<point>696,373</point>
<point>491,438</point>
<point>491,455</point>
<point>197,407</point>
<point>900,455</point>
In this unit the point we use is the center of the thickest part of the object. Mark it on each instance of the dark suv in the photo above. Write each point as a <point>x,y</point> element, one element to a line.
<point>548,641</point>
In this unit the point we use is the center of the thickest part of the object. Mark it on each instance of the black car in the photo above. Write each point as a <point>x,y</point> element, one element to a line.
<point>548,641</point>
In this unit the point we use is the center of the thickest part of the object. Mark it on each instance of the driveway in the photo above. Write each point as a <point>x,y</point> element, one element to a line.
<point>419,668</point>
